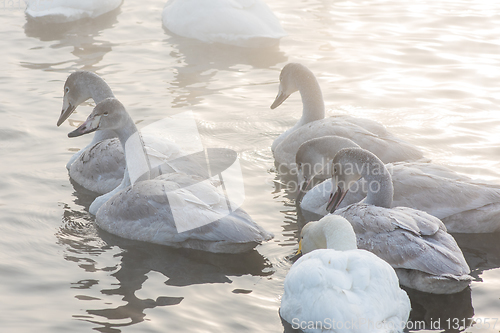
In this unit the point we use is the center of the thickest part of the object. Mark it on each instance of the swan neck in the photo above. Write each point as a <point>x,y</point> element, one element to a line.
<point>97,88</point>
<point>379,184</point>
<point>138,167</point>
<point>339,236</point>
<point>313,106</point>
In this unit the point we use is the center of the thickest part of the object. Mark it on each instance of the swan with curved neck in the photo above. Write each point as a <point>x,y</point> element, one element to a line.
<point>335,280</point>
<point>79,87</point>
<point>415,243</point>
<point>100,166</point>
<point>152,210</point>
<point>464,205</point>
<point>367,134</point>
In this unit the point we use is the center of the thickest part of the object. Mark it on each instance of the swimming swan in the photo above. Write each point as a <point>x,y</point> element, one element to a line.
<point>60,11</point>
<point>464,206</point>
<point>99,167</point>
<point>366,133</point>
<point>334,282</point>
<point>247,23</point>
<point>426,257</point>
<point>173,209</point>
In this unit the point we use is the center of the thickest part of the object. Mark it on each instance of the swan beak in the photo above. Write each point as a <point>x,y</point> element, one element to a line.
<point>335,199</point>
<point>299,251</point>
<point>279,99</point>
<point>65,113</point>
<point>88,126</point>
<point>303,190</point>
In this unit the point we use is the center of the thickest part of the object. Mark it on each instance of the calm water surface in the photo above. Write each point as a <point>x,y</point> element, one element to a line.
<point>427,70</point>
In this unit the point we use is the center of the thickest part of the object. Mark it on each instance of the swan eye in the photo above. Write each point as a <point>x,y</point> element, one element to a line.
<point>105,113</point>
<point>66,90</point>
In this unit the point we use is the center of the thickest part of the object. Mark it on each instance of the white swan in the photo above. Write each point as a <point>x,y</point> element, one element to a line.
<point>155,210</point>
<point>99,167</point>
<point>415,243</point>
<point>247,23</point>
<point>465,206</point>
<point>366,133</point>
<point>60,11</point>
<point>337,284</point>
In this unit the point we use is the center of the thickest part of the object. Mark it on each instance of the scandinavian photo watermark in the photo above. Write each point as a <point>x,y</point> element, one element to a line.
<point>324,168</point>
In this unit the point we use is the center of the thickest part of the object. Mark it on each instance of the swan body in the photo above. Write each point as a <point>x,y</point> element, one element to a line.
<point>415,243</point>
<point>465,206</point>
<point>60,11</point>
<point>366,133</point>
<point>100,166</point>
<point>334,282</point>
<point>172,209</point>
<point>246,23</point>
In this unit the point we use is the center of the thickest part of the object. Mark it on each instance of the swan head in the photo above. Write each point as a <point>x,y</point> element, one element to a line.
<point>290,77</point>
<point>314,159</point>
<point>73,95</point>
<point>347,169</point>
<point>330,232</point>
<point>79,87</point>
<point>108,114</point>
<point>349,165</point>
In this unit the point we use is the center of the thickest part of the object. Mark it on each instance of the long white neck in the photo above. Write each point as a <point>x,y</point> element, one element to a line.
<point>331,232</point>
<point>313,106</point>
<point>339,235</point>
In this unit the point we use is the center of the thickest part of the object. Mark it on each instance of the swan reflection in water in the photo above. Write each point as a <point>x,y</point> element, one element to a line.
<point>130,262</point>
<point>84,36</point>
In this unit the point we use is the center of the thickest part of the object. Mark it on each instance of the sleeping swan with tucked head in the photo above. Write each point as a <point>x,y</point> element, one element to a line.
<point>334,282</point>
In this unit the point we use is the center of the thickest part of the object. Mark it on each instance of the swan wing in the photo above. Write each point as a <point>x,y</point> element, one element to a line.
<point>406,238</point>
<point>388,148</point>
<point>99,168</point>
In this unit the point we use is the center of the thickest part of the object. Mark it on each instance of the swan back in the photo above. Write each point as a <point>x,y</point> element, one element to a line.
<point>60,11</point>
<point>326,287</point>
<point>247,23</point>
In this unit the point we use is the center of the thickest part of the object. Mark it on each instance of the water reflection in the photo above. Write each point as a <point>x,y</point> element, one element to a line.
<point>129,262</point>
<point>430,311</point>
<point>81,35</point>
<point>200,62</point>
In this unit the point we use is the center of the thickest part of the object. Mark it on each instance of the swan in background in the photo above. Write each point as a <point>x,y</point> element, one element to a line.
<point>99,167</point>
<point>366,133</point>
<point>61,11</point>
<point>464,205</point>
<point>173,209</point>
<point>334,282</point>
<point>247,23</point>
<point>426,257</point>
